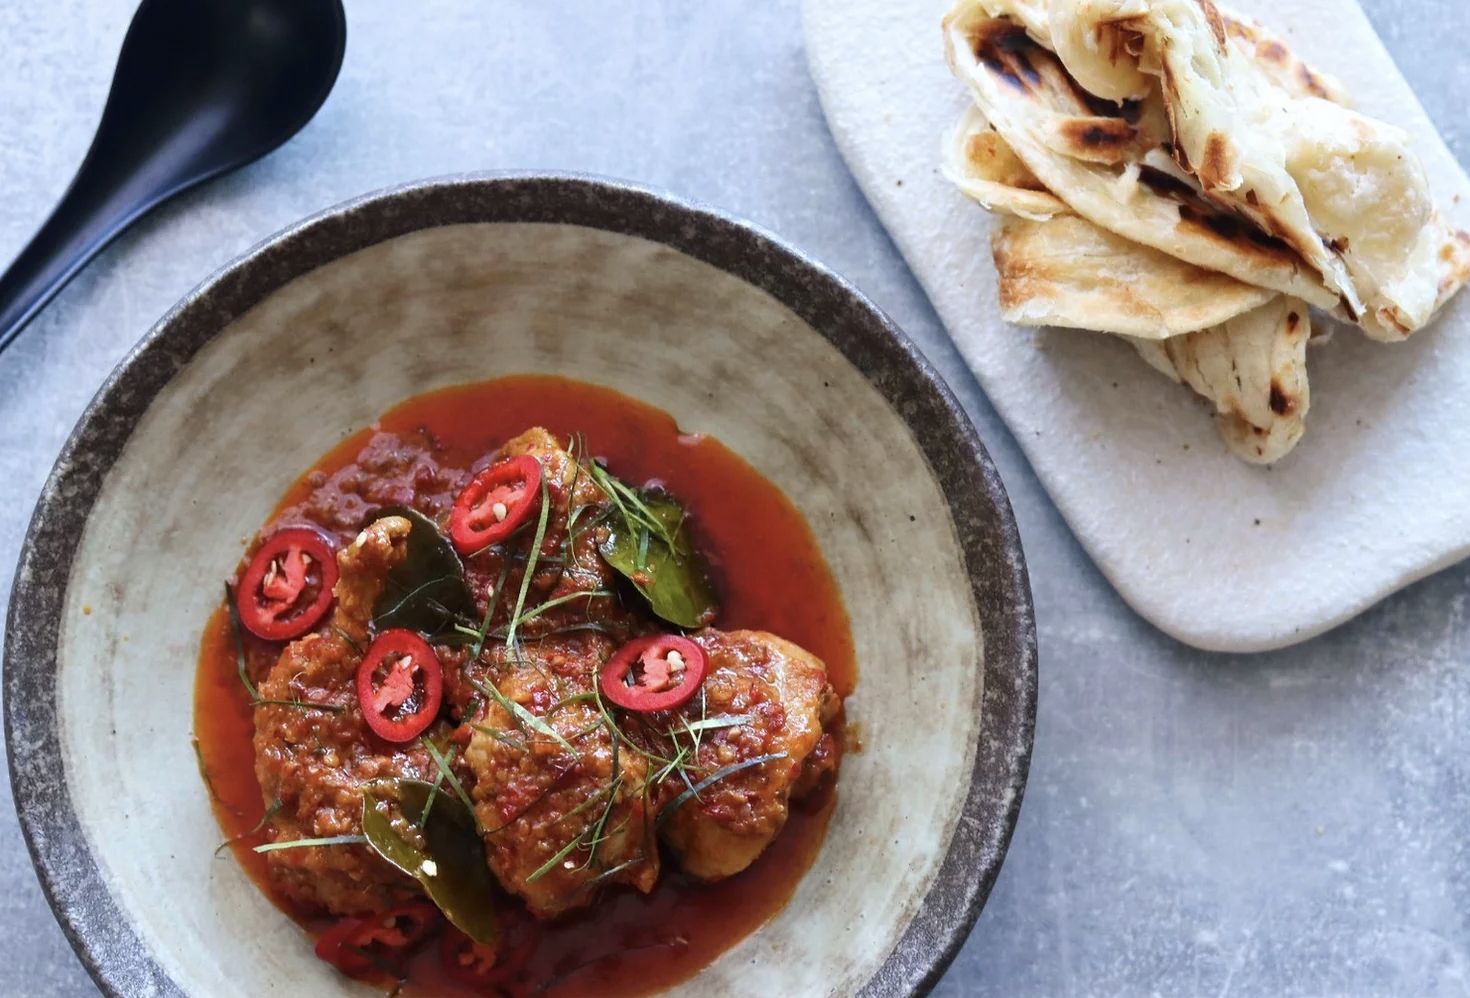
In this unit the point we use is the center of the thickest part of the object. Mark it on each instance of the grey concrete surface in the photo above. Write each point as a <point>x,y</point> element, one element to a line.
<point>1287,824</point>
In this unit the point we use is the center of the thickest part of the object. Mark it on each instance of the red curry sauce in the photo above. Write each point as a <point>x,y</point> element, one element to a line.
<point>770,576</point>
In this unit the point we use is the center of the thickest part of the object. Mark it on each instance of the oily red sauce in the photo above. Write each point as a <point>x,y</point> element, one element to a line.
<point>769,575</point>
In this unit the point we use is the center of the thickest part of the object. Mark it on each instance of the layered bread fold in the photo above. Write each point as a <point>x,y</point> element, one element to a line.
<point>1176,175</point>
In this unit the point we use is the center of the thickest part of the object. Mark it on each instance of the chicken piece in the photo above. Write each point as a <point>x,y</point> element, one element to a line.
<point>568,563</point>
<point>313,764</point>
<point>534,797</point>
<point>783,693</point>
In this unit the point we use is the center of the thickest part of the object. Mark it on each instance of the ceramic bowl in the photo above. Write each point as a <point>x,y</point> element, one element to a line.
<point>317,331</point>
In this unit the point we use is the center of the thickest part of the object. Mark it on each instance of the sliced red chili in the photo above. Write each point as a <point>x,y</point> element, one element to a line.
<point>399,685</point>
<point>657,672</point>
<point>287,587</point>
<point>478,966</point>
<point>374,944</point>
<point>496,502</point>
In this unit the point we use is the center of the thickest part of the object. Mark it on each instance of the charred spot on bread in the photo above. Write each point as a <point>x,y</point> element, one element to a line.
<point>1098,140</point>
<point>1215,161</point>
<point>1215,21</point>
<point>1006,51</point>
<point>1161,182</point>
<point>1279,402</point>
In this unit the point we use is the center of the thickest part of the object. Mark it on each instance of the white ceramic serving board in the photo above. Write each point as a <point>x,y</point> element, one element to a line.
<point>1217,553</point>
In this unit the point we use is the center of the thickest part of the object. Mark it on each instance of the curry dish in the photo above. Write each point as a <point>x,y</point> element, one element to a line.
<point>522,691</point>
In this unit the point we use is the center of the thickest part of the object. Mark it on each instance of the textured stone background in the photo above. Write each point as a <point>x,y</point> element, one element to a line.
<point>1277,825</point>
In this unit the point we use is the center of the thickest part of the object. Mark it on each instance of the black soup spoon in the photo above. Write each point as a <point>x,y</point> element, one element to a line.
<point>201,87</point>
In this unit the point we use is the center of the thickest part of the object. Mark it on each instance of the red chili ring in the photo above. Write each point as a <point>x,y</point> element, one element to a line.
<point>277,577</point>
<point>496,502</point>
<point>641,677</point>
<point>344,944</point>
<point>397,706</point>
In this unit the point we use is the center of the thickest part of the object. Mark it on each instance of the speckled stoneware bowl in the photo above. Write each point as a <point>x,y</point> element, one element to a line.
<point>311,336</point>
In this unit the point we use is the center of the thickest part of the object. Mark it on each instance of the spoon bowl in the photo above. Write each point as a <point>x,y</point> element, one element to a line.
<point>200,89</point>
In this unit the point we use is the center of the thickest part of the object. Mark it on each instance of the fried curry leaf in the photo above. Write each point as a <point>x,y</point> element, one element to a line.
<point>673,577</point>
<point>428,591</point>
<point>450,866</point>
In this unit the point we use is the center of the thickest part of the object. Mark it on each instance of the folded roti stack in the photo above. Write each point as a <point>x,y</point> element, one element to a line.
<point>1174,175</point>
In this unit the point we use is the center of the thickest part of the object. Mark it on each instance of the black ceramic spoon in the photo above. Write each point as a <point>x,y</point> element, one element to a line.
<point>201,87</point>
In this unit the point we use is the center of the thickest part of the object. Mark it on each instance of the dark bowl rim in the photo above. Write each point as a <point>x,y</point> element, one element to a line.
<point>985,528</point>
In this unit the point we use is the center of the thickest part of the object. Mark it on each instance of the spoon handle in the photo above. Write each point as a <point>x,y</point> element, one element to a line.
<point>94,209</point>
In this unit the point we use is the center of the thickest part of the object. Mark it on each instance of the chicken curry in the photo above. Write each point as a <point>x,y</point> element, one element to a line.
<point>522,691</point>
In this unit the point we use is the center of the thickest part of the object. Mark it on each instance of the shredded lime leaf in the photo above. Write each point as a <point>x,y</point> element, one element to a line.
<point>203,770</point>
<point>551,863</point>
<point>349,639</point>
<point>531,558</point>
<point>710,780</point>
<point>330,708</point>
<point>449,757</point>
<point>613,871</point>
<point>615,782</point>
<point>552,604</point>
<point>523,717</point>
<point>490,607</point>
<point>270,812</point>
<point>718,721</point>
<point>236,632</point>
<point>331,840</point>
<point>445,773</point>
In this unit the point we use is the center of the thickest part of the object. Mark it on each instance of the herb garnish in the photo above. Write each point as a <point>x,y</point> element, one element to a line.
<point>450,865</point>
<point>490,606</point>
<point>238,632</point>
<point>350,641</point>
<point>714,777</point>
<point>591,836</point>
<point>270,812</point>
<point>331,840</point>
<point>427,592</point>
<point>445,773</point>
<point>256,700</point>
<point>330,708</point>
<point>614,784</point>
<point>711,723</point>
<point>439,782</point>
<point>576,445</point>
<point>523,717</point>
<point>550,604</point>
<point>684,743</point>
<point>204,771</point>
<point>530,570</point>
<point>648,543</point>
<point>642,534</point>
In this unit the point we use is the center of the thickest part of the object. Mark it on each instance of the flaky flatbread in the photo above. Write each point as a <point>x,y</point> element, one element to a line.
<point>1094,155</point>
<point>1067,272</point>
<point>986,170</point>
<point>1176,175</point>
<point>1343,190</point>
<point>1253,368</point>
<point>1058,269</point>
